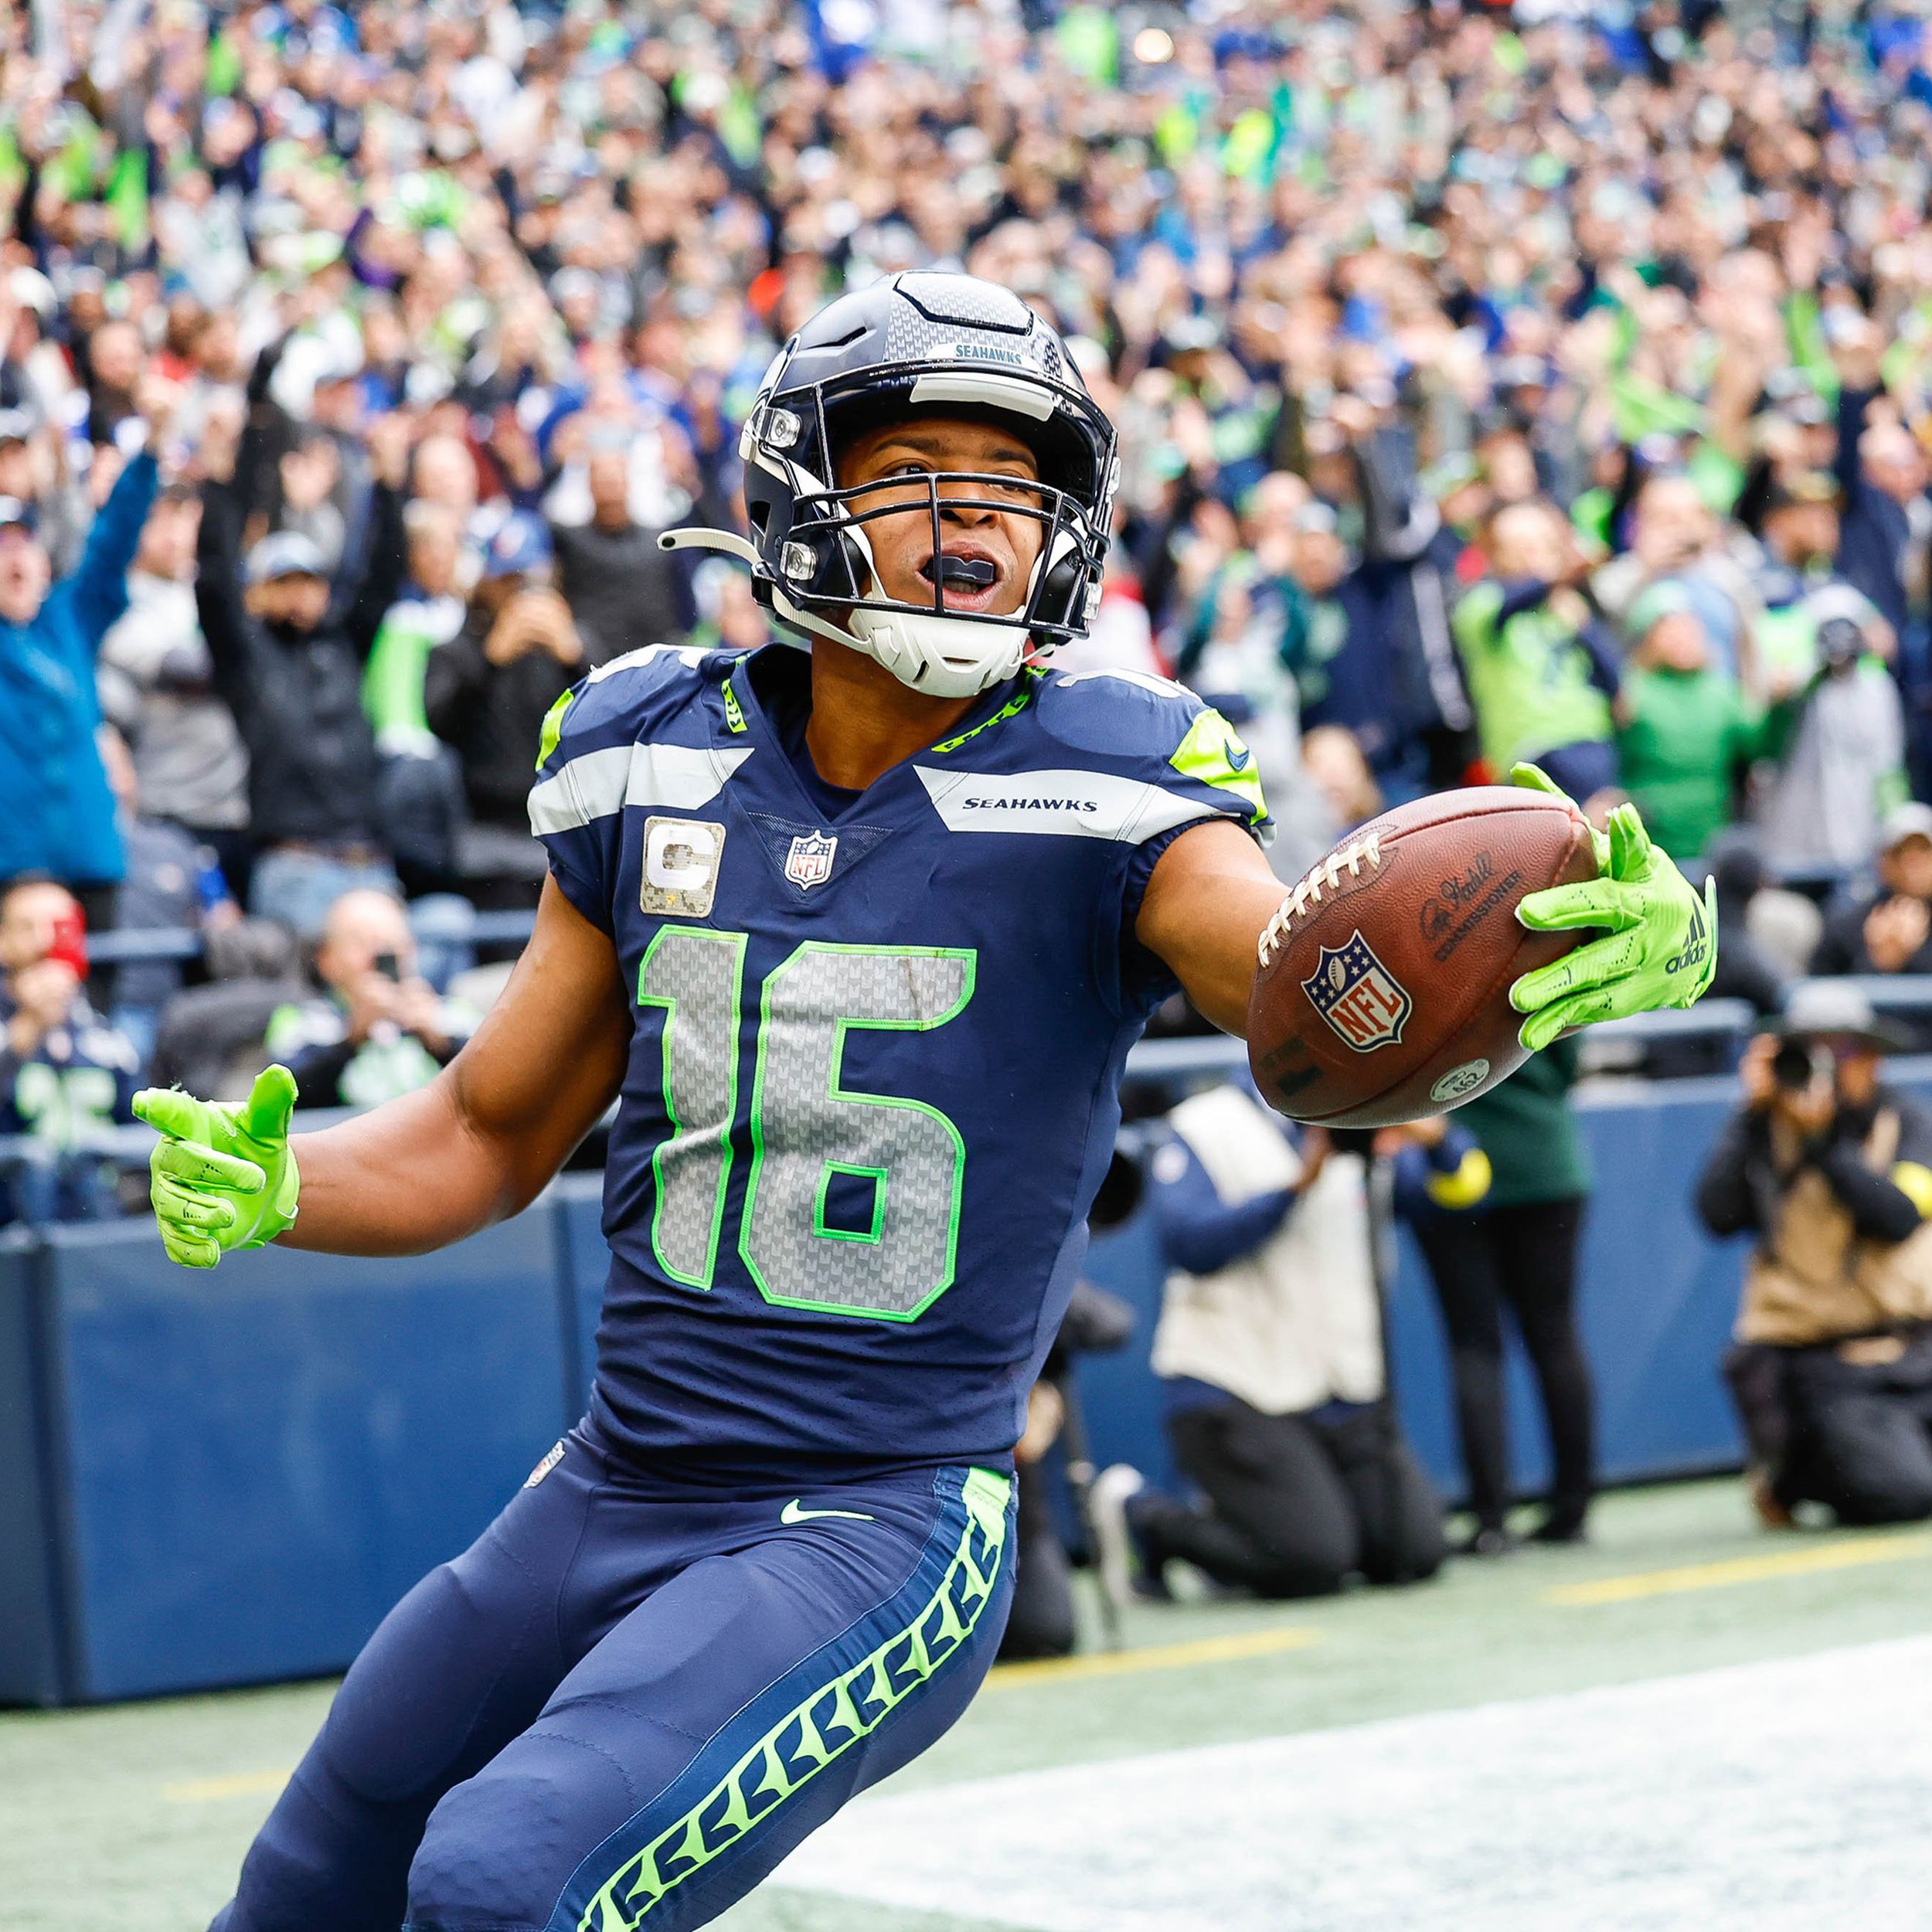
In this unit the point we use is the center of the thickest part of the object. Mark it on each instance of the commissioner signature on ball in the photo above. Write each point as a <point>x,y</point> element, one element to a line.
<point>1459,905</point>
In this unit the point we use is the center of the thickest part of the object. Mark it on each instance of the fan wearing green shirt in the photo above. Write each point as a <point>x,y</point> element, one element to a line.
<point>429,612</point>
<point>1541,669</point>
<point>1684,731</point>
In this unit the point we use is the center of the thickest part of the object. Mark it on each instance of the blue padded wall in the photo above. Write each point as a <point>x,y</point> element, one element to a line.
<point>32,1670</point>
<point>258,1460</point>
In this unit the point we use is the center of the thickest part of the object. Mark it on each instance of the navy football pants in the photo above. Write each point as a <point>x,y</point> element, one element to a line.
<point>619,1709</point>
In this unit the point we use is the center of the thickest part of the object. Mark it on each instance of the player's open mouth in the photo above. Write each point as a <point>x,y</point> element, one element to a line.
<point>967,575</point>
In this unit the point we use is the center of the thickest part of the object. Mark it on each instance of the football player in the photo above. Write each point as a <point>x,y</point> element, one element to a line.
<point>857,937</point>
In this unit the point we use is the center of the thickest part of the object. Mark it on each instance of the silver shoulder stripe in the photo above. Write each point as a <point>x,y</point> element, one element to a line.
<point>636,660</point>
<point>1122,674</point>
<point>657,777</point>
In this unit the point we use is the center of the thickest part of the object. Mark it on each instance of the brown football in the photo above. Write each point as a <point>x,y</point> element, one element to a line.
<point>1383,988</point>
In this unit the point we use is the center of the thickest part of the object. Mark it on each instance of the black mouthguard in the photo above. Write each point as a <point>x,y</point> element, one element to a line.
<point>973,570</point>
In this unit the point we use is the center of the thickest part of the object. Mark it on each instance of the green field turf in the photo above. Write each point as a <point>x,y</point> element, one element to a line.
<point>132,1819</point>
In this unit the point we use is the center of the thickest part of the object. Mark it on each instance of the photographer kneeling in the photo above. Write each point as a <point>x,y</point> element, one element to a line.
<point>1270,1346</point>
<point>1832,1170</point>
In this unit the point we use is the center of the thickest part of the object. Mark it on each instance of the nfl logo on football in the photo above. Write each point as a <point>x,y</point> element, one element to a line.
<point>1358,995</point>
<point>809,862</point>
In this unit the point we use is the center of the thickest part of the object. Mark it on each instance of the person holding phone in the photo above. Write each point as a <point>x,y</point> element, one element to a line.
<point>1832,1169</point>
<point>376,1028</point>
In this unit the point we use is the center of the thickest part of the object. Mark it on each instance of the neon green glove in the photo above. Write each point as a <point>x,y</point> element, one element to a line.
<point>222,1176</point>
<point>1661,950</point>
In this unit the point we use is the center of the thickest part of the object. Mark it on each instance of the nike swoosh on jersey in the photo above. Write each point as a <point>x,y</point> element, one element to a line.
<point>796,1512</point>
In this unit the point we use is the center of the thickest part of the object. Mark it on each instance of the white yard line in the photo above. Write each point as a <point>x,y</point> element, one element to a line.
<point>1781,1797</point>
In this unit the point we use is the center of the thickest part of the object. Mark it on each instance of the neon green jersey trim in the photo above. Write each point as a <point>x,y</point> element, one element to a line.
<point>1212,753</point>
<point>552,728</point>
<point>1013,707</point>
<point>821,1729</point>
<point>734,712</point>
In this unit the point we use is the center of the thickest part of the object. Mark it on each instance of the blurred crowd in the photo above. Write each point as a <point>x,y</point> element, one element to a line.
<point>1553,385</point>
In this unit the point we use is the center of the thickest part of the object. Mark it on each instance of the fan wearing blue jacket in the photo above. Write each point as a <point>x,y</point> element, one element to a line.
<point>56,813</point>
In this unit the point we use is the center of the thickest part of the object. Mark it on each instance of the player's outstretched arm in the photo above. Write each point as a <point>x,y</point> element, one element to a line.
<point>1211,894</point>
<point>1209,897</point>
<point>476,1144</point>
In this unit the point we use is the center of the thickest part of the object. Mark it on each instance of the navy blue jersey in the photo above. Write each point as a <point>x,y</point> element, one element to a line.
<point>871,1088</point>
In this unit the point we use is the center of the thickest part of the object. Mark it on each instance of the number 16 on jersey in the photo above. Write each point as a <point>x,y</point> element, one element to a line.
<point>852,1200</point>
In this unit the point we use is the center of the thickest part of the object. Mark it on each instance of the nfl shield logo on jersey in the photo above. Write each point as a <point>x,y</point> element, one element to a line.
<point>1358,996</point>
<point>809,862</point>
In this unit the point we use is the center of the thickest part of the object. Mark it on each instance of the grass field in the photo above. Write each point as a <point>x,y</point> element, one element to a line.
<point>1688,1723</point>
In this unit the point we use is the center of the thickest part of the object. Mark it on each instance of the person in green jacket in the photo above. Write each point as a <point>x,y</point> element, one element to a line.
<point>1684,731</point>
<point>1540,668</point>
<point>430,612</point>
<point>1518,1249</point>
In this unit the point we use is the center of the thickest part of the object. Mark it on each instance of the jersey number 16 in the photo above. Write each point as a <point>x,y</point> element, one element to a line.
<point>809,1135</point>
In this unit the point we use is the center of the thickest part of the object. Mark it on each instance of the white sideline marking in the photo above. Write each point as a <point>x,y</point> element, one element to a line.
<point>1779,1796</point>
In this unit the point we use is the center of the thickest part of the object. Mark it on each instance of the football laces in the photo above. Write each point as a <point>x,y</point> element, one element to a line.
<point>1349,857</point>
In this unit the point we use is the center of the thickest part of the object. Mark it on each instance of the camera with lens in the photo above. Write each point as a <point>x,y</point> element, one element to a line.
<point>1799,1065</point>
